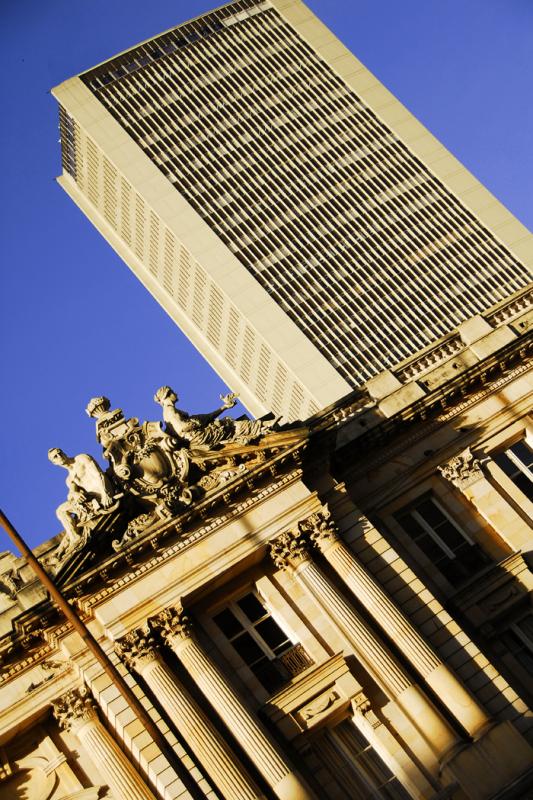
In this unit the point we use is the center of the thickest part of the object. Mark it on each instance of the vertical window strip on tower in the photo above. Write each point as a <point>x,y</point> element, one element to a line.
<point>181,277</point>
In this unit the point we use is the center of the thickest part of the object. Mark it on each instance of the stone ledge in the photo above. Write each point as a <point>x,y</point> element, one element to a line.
<point>313,698</point>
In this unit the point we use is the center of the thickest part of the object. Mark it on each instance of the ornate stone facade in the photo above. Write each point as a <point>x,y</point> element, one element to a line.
<point>299,589</point>
<point>340,607</point>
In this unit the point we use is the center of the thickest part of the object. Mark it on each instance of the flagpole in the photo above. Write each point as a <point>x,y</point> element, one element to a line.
<point>104,660</point>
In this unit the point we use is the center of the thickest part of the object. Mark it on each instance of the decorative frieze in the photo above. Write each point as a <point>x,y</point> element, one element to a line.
<point>462,470</point>
<point>431,358</point>
<point>507,311</point>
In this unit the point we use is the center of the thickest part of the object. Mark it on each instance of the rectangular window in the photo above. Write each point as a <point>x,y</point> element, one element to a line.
<point>261,643</point>
<point>517,463</point>
<point>448,548</point>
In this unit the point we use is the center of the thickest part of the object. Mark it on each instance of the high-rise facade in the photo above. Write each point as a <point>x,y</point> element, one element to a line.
<point>295,220</point>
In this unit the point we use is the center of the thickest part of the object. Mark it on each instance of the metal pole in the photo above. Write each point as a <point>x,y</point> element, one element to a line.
<point>107,665</point>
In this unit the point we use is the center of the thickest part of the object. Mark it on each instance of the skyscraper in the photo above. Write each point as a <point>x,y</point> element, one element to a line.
<point>300,226</point>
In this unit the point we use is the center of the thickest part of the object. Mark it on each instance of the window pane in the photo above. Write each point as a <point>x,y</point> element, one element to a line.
<point>271,633</point>
<point>251,607</point>
<point>519,649</point>
<point>270,674</point>
<point>248,650</point>
<point>473,558</point>
<point>449,535</point>
<point>525,484</point>
<point>505,463</point>
<point>453,571</point>
<point>410,525</point>
<point>516,462</point>
<point>431,513</point>
<point>430,547</point>
<point>523,452</point>
<point>228,623</point>
<point>467,558</point>
<point>526,626</point>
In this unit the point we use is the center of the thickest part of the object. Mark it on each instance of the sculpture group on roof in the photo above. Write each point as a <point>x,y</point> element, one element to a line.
<point>162,468</point>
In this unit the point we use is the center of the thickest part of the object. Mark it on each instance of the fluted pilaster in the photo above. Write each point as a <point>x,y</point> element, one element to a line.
<point>76,711</point>
<point>437,675</point>
<point>466,473</point>
<point>291,551</point>
<point>139,651</point>
<point>176,629</point>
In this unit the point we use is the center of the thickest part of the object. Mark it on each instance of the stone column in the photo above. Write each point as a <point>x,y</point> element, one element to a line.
<point>286,783</point>
<point>76,711</point>
<point>465,472</point>
<point>429,735</point>
<point>437,675</point>
<point>139,651</point>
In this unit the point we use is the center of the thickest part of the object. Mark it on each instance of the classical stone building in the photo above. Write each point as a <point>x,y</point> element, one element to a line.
<point>338,606</point>
<point>335,609</point>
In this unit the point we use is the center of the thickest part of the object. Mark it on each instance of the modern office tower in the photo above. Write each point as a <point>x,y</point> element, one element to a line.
<point>303,229</point>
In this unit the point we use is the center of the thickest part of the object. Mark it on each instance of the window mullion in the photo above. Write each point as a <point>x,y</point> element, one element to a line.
<point>452,522</point>
<point>432,533</point>
<point>511,455</point>
<point>249,627</point>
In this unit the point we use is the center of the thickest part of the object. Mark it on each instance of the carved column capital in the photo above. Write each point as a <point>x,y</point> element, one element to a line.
<point>320,528</point>
<point>137,649</point>
<point>290,549</point>
<point>462,470</point>
<point>173,625</point>
<point>74,709</point>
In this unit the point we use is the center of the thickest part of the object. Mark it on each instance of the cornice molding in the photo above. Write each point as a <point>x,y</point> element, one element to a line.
<point>426,424</point>
<point>30,627</point>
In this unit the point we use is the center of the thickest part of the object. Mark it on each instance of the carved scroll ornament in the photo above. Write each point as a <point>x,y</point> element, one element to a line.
<point>137,648</point>
<point>462,470</point>
<point>75,708</point>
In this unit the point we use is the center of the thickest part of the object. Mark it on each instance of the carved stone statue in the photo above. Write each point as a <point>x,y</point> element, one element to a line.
<point>90,493</point>
<point>111,429</point>
<point>205,431</point>
<point>145,460</point>
<point>155,470</point>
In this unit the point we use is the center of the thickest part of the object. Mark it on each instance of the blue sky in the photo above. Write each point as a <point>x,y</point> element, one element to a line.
<point>75,322</point>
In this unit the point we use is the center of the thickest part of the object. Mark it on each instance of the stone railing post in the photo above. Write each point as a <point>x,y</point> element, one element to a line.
<point>281,776</point>
<point>139,651</point>
<point>76,711</point>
